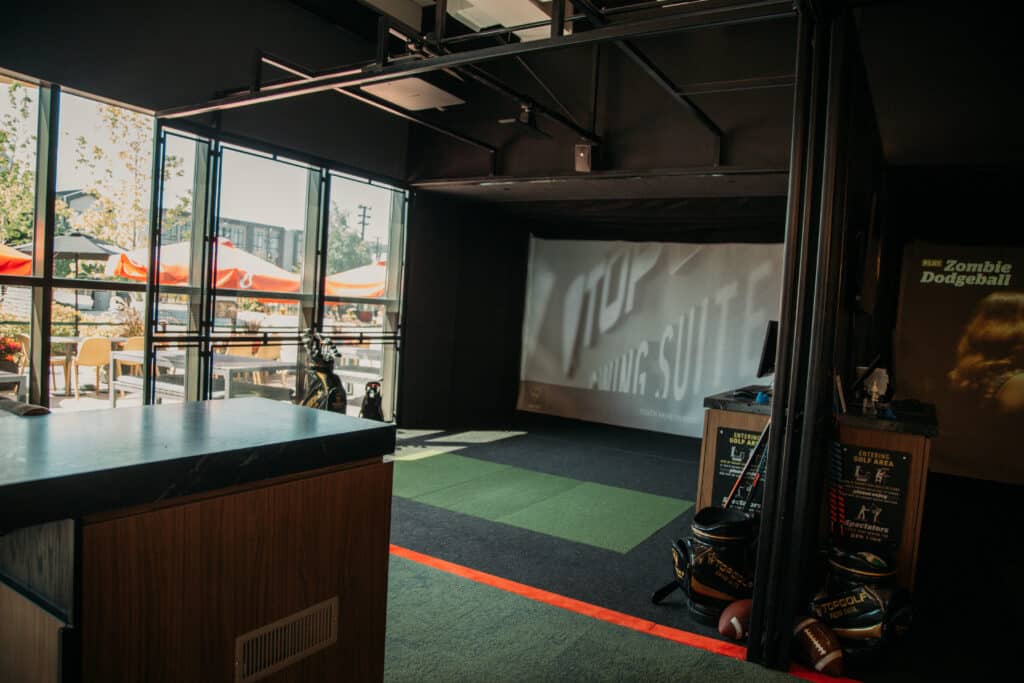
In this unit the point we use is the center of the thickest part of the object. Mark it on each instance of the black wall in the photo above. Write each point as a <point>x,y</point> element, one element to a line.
<point>970,526</point>
<point>968,205</point>
<point>159,54</point>
<point>466,272</point>
<point>466,275</point>
<point>642,126</point>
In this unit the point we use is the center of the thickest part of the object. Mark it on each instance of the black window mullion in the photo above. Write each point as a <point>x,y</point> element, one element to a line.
<point>152,282</point>
<point>208,269</point>
<point>47,134</point>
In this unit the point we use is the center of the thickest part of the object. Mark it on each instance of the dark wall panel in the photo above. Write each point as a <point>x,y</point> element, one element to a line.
<point>161,53</point>
<point>466,278</point>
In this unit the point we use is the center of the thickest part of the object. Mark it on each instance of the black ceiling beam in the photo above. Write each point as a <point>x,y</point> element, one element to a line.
<point>551,93</point>
<point>671,23</point>
<point>737,85</point>
<point>440,20</point>
<point>648,66</point>
<point>557,18</point>
<point>543,84</point>
<point>484,78</point>
<point>375,102</point>
<point>650,4</point>
<point>506,30</point>
<point>624,174</point>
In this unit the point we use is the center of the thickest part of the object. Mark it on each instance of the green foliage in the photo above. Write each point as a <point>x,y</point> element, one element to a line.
<point>345,248</point>
<point>120,213</point>
<point>132,324</point>
<point>17,172</point>
<point>63,320</point>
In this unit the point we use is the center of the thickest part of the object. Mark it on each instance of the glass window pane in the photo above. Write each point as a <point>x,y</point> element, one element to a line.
<point>356,329</point>
<point>174,298</point>
<point>15,323</point>
<point>361,222</point>
<point>172,378</point>
<point>173,314</point>
<point>87,325</point>
<point>255,368</point>
<point>19,103</point>
<point>262,223</point>
<point>104,169</point>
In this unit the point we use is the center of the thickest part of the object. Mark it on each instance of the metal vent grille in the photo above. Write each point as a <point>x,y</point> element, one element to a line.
<point>280,644</point>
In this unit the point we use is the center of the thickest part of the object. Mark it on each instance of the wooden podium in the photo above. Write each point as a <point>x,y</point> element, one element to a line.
<point>876,483</point>
<point>727,418</point>
<point>906,443</point>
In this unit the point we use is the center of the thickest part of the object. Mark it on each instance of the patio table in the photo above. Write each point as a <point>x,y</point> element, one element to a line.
<point>224,366</point>
<point>18,378</point>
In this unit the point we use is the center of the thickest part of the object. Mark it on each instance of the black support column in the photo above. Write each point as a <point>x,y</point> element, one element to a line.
<point>42,239</point>
<point>801,407</point>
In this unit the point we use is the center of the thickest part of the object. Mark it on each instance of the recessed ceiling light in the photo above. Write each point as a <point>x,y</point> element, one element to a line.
<point>414,94</point>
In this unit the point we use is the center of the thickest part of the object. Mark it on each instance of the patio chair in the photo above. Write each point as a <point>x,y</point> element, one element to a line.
<point>61,361</point>
<point>130,344</point>
<point>93,352</point>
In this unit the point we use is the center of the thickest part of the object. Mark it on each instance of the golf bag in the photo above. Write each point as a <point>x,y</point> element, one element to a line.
<point>861,604</point>
<point>323,388</point>
<point>714,566</point>
<point>372,408</point>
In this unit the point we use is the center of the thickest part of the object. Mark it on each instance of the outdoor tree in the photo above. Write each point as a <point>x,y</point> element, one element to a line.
<point>345,248</point>
<point>17,171</point>
<point>120,177</point>
<point>120,165</point>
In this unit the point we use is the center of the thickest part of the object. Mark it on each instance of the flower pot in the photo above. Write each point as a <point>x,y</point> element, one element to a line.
<point>8,365</point>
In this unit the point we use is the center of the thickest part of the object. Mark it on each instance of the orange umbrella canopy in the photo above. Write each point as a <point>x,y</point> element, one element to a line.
<point>365,281</point>
<point>13,262</point>
<point>236,269</point>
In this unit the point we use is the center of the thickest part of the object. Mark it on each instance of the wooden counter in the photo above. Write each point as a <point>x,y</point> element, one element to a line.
<point>170,534</point>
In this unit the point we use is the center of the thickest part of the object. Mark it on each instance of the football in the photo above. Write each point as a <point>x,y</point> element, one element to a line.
<point>735,619</point>
<point>815,646</point>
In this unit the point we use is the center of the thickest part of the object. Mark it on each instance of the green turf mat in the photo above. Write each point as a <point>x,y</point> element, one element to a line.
<point>445,628</point>
<point>602,516</point>
<point>418,477</point>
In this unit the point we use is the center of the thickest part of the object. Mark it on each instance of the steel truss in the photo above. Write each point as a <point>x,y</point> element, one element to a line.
<point>430,53</point>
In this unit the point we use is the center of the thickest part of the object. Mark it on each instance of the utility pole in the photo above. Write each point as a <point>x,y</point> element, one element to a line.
<point>364,218</point>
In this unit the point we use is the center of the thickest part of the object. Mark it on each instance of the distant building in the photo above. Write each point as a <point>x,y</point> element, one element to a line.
<point>78,200</point>
<point>273,243</point>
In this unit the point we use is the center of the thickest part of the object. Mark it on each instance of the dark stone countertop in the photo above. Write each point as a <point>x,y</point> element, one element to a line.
<point>906,417</point>
<point>67,465</point>
<point>740,403</point>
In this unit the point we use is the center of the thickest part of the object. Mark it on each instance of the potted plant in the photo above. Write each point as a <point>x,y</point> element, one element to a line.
<point>9,350</point>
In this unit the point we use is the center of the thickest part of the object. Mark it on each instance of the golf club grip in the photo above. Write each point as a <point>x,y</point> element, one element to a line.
<point>663,592</point>
<point>757,478</point>
<point>746,467</point>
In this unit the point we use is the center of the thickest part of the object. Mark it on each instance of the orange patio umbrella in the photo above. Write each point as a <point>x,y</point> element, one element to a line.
<point>236,269</point>
<point>13,262</point>
<point>365,281</point>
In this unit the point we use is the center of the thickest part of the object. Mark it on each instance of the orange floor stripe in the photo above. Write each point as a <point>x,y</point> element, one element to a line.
<point>611,616</point>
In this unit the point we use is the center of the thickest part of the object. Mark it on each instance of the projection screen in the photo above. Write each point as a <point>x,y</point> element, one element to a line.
<point>637,334</point>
